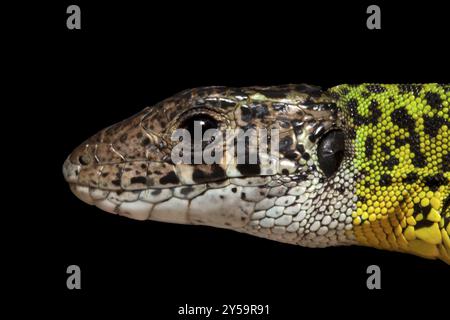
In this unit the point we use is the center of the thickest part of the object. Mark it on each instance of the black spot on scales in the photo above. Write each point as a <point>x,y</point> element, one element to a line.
<point>417,209</point>
<point>385,180</point>
<point>216,173</point>
<point>369,147</point>
<point>391,162</point>
<point>246,114</point>
<point>414,145</point>
<point>285,144</point>
<point>426,210</point>
<point>352,105</point>
<point>306,156</point>
<point>300,148</point>
<point>123,137</point>
<point>402,119</point>
<point>424,223</point>
<point>375,112</point>
<point>156,192</point>
<point>185,191</point>
<point>140,179</point>
<point>249,169</point>
<point>386,149</point>
<point>171,178</point>
<point>419,160</point>
<point>358,119</point>
<point>434,100</point>
<point>446,162</point>
<point>435,181</point>
<point>145,141</point>
<point>291,155</point>
<point>433,124</point>
<point>411,178</point>
<point>258,111</point>
<point>398,142</point>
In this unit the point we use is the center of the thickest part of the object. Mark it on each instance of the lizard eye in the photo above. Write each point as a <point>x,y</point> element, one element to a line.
<point>202,121</point>
<point>330,151</point>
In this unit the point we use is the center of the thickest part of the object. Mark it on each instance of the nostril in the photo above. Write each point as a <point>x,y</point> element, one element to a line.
<point>84,159</point>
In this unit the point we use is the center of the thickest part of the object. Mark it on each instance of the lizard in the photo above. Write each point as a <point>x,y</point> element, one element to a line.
<point>358,164</point>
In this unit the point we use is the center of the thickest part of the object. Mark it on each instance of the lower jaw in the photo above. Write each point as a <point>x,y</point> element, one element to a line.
<point>219,204</point>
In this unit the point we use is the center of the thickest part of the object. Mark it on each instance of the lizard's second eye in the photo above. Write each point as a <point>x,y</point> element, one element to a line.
<point>330,151</point>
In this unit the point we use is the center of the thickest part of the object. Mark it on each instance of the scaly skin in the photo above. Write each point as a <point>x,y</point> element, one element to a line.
<point>390,191</point>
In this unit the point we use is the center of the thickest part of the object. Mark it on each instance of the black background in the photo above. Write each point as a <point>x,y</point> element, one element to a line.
<point>128,56</point>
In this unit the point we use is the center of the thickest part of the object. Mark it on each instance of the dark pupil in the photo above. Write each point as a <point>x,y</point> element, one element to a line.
<point>205,122</point>
<point>330,151</point>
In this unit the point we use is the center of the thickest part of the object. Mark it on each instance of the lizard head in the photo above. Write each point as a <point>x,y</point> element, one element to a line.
<point>271,161</point>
